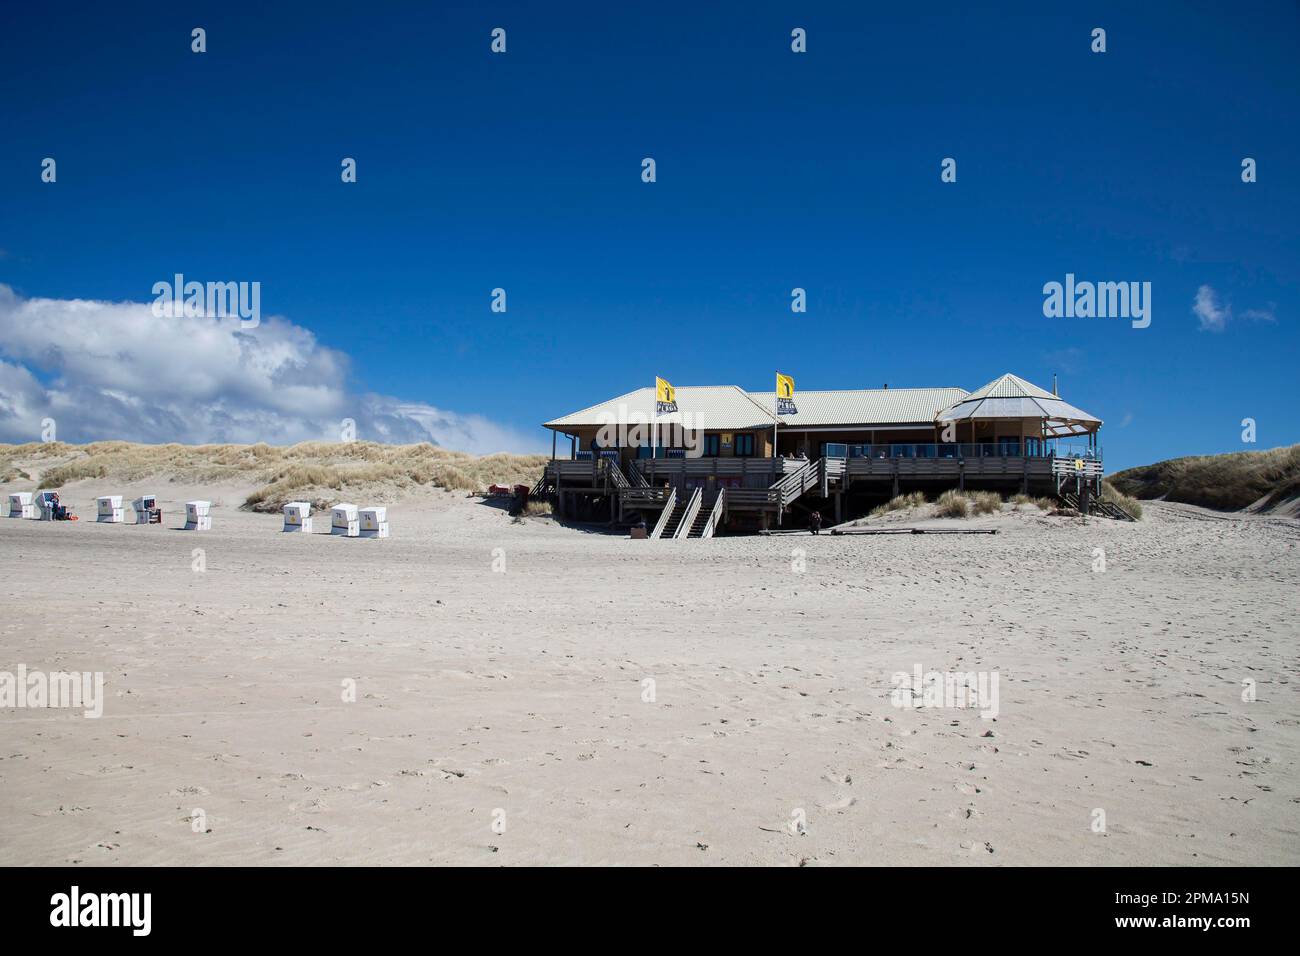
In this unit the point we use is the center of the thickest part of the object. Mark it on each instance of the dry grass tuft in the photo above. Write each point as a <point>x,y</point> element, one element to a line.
<point>899,503</point>
<point>952,504</point>
<point>1042,504</point>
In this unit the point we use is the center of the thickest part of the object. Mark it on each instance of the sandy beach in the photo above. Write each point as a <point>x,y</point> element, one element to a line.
<point>503,716</point>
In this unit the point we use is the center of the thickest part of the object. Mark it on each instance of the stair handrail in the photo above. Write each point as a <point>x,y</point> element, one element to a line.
<point>796,479</point>
<point>664,515</point>
<point>719,505</point>
<point>616,475</point>
<point>683,528</point>
<point>638,479</point>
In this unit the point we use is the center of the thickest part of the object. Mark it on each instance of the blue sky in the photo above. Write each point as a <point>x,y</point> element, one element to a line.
<point>775,170</point>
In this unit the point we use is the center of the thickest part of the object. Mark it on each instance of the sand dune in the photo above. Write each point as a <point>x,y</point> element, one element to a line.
<point>516,696</point>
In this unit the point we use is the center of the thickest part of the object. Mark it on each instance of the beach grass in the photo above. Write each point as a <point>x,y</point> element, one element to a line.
<point>1112,494</point>
<point>1228,482</point>
<point>311,471</point>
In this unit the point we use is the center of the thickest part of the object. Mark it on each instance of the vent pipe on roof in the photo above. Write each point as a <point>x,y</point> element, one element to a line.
<point>1054,391</point>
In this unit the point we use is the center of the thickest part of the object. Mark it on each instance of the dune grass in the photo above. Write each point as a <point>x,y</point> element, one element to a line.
<point>912,500</point>
<point>954,503</point>
<point>1042,504</point>
<point>1223,482</point>
<point>312,471</point>
<point>1112,494</point>
<point>951,504</point>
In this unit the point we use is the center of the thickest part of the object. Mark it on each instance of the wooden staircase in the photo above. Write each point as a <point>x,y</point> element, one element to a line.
<point>811,475</point>
<point>674,520</point>
<point>704,516</point>
<point>1097,506</point>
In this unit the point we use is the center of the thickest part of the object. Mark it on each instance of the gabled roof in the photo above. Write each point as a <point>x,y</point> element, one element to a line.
<point>865,406</point>
<point>1012,397</point>
<point>1009,386</point>
<point>705,406</point>
<point>728,407</point>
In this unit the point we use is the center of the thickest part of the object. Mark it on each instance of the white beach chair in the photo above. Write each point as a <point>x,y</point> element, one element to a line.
<point>146,509</point>
<point>20,505</point>
<point>374,522</point>
<point>44,506</point>
<point>198,515</point>
<point>297,516</point>
<point>344,521</point>
<point>109,509</point>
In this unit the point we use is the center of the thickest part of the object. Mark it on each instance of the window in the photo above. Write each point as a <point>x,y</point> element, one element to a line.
<point>744,445</point>
<point>711,446</point>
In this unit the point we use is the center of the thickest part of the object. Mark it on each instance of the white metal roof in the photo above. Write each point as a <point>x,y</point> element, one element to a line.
<point>698,406</point>
<point>1009,386</point>
<point>1012,397</point>
<point>730,407</point>
<point>865,406</point>
<point>1052,408</point>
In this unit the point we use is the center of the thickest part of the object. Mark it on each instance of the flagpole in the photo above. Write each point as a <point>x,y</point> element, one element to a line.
<point>776,419</point>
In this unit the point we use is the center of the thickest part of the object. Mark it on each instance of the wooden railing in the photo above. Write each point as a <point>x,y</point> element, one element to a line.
<point>644,497</point>
<point>667,513</point>
<point>753,497</point>
<point>638,479</point>
<point>658,470</point>
<point>573,470</point>
<point>1083,467</point>
<point>616,476</point>
<point>797,482</point>
<point>683,529</point>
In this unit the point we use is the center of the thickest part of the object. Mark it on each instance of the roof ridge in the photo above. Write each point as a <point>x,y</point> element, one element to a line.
<point>590,408</point>
<point>770,413</point>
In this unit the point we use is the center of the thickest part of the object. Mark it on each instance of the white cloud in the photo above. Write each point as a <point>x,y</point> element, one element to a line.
<point>1261,315</point>
<point>106,370</point>
<point>1215,316</point>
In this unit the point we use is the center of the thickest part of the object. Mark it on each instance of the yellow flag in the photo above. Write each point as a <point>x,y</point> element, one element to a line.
<point>665,397</point>
<point>785,395</point>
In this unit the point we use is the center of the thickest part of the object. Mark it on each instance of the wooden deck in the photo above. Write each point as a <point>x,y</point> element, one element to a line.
<point>768,487</point>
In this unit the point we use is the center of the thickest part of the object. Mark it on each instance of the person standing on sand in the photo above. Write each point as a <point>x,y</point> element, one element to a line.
<point>815,522</point>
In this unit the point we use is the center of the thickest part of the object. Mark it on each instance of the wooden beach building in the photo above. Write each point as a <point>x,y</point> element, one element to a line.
<point>724,457</point>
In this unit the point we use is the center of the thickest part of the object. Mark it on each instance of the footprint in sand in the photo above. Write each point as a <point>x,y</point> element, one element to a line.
<point>843,803</point>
